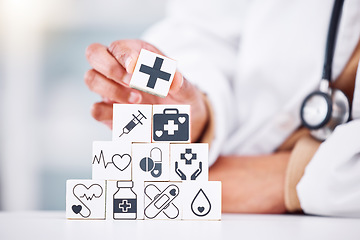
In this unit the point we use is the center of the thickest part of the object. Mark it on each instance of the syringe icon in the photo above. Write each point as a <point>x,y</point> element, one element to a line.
<point>135,121</point>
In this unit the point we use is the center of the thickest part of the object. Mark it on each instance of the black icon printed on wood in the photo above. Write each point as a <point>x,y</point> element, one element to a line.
<point>201,205</point>
<point>155,73</point>
<point>161,201</point>
<point>188,158</point>
<point>120,161</point>
<point>171,126</point>
<point>125,201</point>
<point>150,164</point>
<point>85,194</point>
<point>133,123</point>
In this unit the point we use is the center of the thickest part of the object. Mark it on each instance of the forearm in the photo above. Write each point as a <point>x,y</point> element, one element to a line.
<point>253,184</point>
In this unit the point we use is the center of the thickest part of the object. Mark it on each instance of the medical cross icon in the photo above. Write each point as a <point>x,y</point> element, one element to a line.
<point>171,127</point>
<point>155,72</point>
<point>124,205</point>
<point>188,156</point>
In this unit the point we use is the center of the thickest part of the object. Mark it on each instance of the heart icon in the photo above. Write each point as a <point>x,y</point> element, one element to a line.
<point>76,208</point>
<point>182,119</point>
<point>188,156</point>
<point>156,172</point>
<point>201,209</point>
<point>173,192</point>
<point>121,162</point>
<point>158,133</point>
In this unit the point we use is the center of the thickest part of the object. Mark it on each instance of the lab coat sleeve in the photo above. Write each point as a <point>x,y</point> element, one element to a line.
<point>331,182</point>
<point>203,36</point>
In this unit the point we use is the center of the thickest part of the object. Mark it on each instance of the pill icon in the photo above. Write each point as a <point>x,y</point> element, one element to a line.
<point>146,164</point>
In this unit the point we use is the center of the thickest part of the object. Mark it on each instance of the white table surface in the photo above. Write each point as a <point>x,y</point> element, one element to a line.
<point>53,225</point>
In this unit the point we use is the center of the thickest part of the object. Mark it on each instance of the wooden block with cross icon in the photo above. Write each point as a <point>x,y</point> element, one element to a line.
<point>153,73</point>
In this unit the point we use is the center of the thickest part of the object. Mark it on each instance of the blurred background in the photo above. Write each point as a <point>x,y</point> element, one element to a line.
<point>46,131</point>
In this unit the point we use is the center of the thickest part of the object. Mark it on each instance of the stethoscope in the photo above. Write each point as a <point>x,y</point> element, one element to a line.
<point>326,108</point>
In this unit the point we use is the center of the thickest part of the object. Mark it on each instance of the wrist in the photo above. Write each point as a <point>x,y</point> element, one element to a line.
<point>199,117</point>
<point>300,156</point>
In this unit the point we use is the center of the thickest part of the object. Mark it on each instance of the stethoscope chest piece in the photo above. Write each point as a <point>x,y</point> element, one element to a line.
<point>322,112</point>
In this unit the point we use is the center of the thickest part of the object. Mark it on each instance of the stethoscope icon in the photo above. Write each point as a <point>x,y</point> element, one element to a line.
<point>152,163</point>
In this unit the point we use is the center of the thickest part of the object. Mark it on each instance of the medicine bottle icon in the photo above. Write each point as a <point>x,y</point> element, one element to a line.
<point>125,201</point>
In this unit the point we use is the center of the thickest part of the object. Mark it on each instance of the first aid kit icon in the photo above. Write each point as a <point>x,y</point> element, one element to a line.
<point>171,126</point>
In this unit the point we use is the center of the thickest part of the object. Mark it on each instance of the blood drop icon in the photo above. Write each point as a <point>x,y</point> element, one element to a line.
<point>200,205</point>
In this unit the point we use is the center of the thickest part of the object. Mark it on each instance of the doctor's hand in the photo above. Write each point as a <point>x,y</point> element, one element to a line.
<point>253,184</point>
<point>110,78</point>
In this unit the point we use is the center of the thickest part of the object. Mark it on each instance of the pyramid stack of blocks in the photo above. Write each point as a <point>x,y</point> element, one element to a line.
<point>149,170</point>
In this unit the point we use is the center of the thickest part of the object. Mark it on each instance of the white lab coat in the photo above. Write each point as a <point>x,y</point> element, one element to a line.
<point>257,61</point>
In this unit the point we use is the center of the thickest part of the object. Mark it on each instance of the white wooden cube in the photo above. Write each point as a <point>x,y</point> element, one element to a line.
<point>132,122</point>
<point>150,161</point>
<point>153,73</point>
<point>171,123</point>
<point>124,200</point>
<point>111,160</point>
<point>202,200</point>
<point>85,199</point>
<point>163,200</point>
<point>189,162</point>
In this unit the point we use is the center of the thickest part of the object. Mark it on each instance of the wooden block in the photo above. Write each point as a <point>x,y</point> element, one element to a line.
<point>163,200</point>
<point>201,200</point>
<point>85,199</point>
<point>171,123</point>
<point>111,160</point>
<point>153,73</point>
<point>124,200</point>
<point>150,161</point>
<point>132,122</point>
<point>189,162</point>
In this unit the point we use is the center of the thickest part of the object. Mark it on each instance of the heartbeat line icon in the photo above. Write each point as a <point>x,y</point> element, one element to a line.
<point>90,197</point>
<point>101,158</point>
<point>119,161</point>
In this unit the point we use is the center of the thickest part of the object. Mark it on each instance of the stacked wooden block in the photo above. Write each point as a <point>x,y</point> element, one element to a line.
<point>149,170</point>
